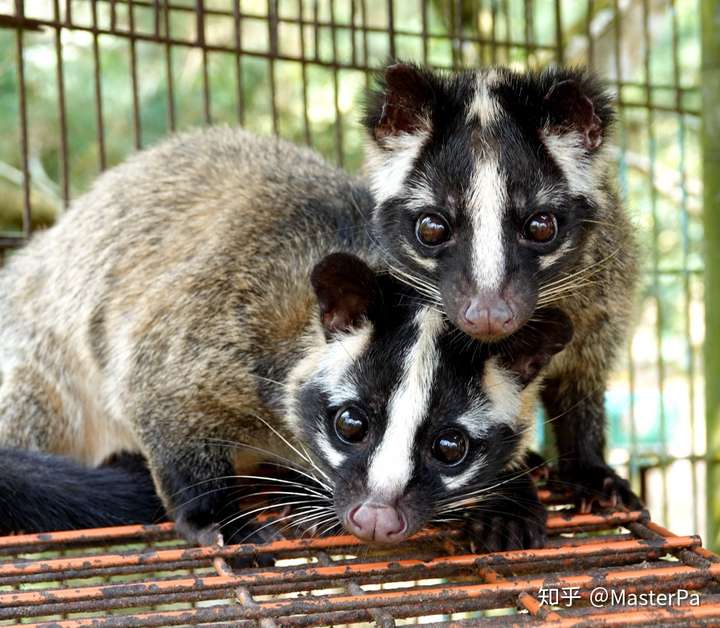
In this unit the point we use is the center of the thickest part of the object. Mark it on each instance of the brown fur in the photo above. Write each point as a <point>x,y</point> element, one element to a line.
<point>153,316</point>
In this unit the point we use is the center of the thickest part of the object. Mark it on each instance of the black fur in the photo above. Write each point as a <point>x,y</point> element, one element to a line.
<point>456,389</point>
<point>41,492</point>
<point>532,107</point>
<point>446,164</point>
<point>512,517</point>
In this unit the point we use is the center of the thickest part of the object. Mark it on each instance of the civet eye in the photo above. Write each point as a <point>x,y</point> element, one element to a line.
<point>351,425</point>
<point>450,447</point>
<point>432,230</point>
<point>540,228</point>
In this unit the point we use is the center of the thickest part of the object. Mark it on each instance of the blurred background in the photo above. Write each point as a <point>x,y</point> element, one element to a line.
<point>83,83</point>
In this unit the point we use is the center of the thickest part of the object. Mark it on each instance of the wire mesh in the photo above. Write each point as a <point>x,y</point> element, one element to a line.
<point>86,82</point>
<point>144,576</point>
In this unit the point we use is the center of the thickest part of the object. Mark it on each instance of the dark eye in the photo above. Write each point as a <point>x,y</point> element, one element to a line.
<point>450,447</point>
<point>540,227</point>
<point>351,425</point>
<point>432,230</point>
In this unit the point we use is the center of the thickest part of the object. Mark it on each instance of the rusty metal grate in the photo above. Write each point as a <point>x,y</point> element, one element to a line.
<point>144,576</point>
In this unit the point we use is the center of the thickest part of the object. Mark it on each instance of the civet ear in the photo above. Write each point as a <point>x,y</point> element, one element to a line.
<point>401,102</point>
<point>346,290</point>
<point>569,108</point>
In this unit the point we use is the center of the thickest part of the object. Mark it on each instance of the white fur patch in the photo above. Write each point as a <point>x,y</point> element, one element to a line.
<point>454,482</point>
<point>428,263</point>
<point>337,357</point>
<point>504,405</point>
<point>503,392</point>
<point>391,466</point>
<point>419,195</point>
<point>547,195</point>
<point>573,160</point>
<point>327,364</point>
<point>477,420</point>
<point>548,260</point>
<point>486,202</point>
<point>332,455</point>
<point>484,107</point>
<point>389,166</point>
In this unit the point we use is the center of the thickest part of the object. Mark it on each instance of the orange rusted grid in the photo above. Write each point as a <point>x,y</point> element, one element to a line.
<point>144,576</point>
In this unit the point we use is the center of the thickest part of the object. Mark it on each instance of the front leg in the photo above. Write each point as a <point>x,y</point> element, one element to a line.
<point>575,404</point>
<point>196,485</point>
<point>512,517</point>
<point>198,474</point>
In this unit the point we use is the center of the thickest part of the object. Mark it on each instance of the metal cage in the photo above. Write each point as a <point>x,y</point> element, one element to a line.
<point>143,576</point>
<point>84,82</point>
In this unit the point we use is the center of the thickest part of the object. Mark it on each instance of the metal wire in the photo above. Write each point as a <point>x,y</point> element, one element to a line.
<point>145,580</point>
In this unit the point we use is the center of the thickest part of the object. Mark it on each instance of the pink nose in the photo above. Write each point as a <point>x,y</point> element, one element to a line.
<point>377,522</point>
<point>488,318</point>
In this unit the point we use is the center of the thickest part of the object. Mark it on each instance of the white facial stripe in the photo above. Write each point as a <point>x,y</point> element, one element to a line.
<point>343,392</point>
<point>426,262</point>
<point>454,482</point>
<point>477,420</point>
<point>504,394</point>
<point>419,195</point>
<point>332,455</point>
<point>391,466</point>
<point>327,365</point>
<point>484,107</point>
<point>389,165</point>
<point>338,355</point>
<point>486,203</point>
<point>573,160</point>
<point>548,260</point>
<point>504,405</point>
<point>547,195</point>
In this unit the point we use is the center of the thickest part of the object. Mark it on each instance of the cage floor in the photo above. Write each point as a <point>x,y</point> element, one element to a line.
<point>145,576</point>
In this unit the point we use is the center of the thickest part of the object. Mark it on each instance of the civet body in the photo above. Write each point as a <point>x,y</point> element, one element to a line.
<point>495,198</point>
<point>221,289</point>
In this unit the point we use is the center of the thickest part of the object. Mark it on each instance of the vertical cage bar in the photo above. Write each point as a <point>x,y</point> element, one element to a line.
<point>60,78</point>
<point>527,17</point>
<point>424,30</point>
<point>316,30</point>
<point>690,354</point>
<point>710,85</point>
<point>134,78</point>
<point>169,67</point>
<point>477,29</point>
<point>303,70</point>
<point>336,89</point>
<point>493,32</point>
<point>22,110</point>
<point>660,314</point>
<point>559,43</point>
<point>588,33</point>
<point>156,18</point>
<point>272,14</point>
<point>353,32</point>
<point>240,99</point>
<point>97,67</point>
<point>200,17</point>
<point>363,16</point>
<point>457,30</point>
<point>391,27</point>
<point>508,32</point>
